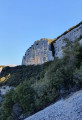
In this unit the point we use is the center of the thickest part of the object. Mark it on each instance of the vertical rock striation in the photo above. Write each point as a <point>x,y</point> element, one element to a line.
<point>45,49</point>
<point>38,53</point>
<point>72,34</point>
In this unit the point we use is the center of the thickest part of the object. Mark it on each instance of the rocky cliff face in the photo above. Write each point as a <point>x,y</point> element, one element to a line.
<point>46,49</point>
<point>0,69</point>
<point>71,34</point>
<point>38,53</point>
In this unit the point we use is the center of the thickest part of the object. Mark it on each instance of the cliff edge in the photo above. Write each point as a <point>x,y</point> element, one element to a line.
<point>45,49</point>
<point>38,53</point>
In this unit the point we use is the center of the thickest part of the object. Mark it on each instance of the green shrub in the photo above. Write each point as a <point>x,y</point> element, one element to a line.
<point>38,86</point>
<point>7,104</point>
<point>78,77</point>
<point>24,95</point>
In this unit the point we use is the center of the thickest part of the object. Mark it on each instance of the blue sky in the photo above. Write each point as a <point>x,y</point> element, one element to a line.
<point>24,21</point>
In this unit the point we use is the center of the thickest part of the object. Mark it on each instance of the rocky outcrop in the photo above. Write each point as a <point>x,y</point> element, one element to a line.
<point>38,53</point>
<point>5,89</point>
<point>46,49</point>
<point>71,34</point>
<point>0,69</point>
<point>65,109</point>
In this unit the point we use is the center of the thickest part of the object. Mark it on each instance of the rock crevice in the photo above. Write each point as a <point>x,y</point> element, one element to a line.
<point>45,49</point>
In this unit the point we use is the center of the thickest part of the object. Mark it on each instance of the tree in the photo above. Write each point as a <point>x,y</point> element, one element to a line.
<point>78,77</point>
<point>77,51</point>
<point>24,95</point>
<point>7,104</point>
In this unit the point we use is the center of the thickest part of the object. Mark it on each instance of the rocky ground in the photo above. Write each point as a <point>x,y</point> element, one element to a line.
<point>4,89</point>
<point>69,108</point>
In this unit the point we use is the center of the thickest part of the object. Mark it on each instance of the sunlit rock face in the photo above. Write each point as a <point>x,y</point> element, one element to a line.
<point>45,49</point>
<point>0,69</point>
<point>38,53</point>
<point>72,35</point>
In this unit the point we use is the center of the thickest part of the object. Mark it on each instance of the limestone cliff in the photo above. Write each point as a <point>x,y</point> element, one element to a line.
<point>0,69</point>
<point>38,53</point>
<point>71,34</point>
<point>45,49</point>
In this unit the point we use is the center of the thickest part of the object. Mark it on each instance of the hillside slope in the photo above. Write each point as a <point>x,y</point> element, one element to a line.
<point>65,109</point>
<point>37,87</point>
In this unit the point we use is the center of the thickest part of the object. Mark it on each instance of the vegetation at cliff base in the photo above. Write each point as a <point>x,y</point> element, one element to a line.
<point>39,86</point>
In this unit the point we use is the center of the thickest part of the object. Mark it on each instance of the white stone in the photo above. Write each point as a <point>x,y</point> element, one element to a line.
<point>65,109</point>
<point>41,51</point>
<point>5,89</point>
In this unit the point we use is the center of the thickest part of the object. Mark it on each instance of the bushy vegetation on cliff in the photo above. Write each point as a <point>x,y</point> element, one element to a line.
<point>2,66</point>
<point>38,86</point>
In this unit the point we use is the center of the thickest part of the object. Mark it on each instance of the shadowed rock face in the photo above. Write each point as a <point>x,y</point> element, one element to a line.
<point>46,49</point>
<point>38,53</point>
